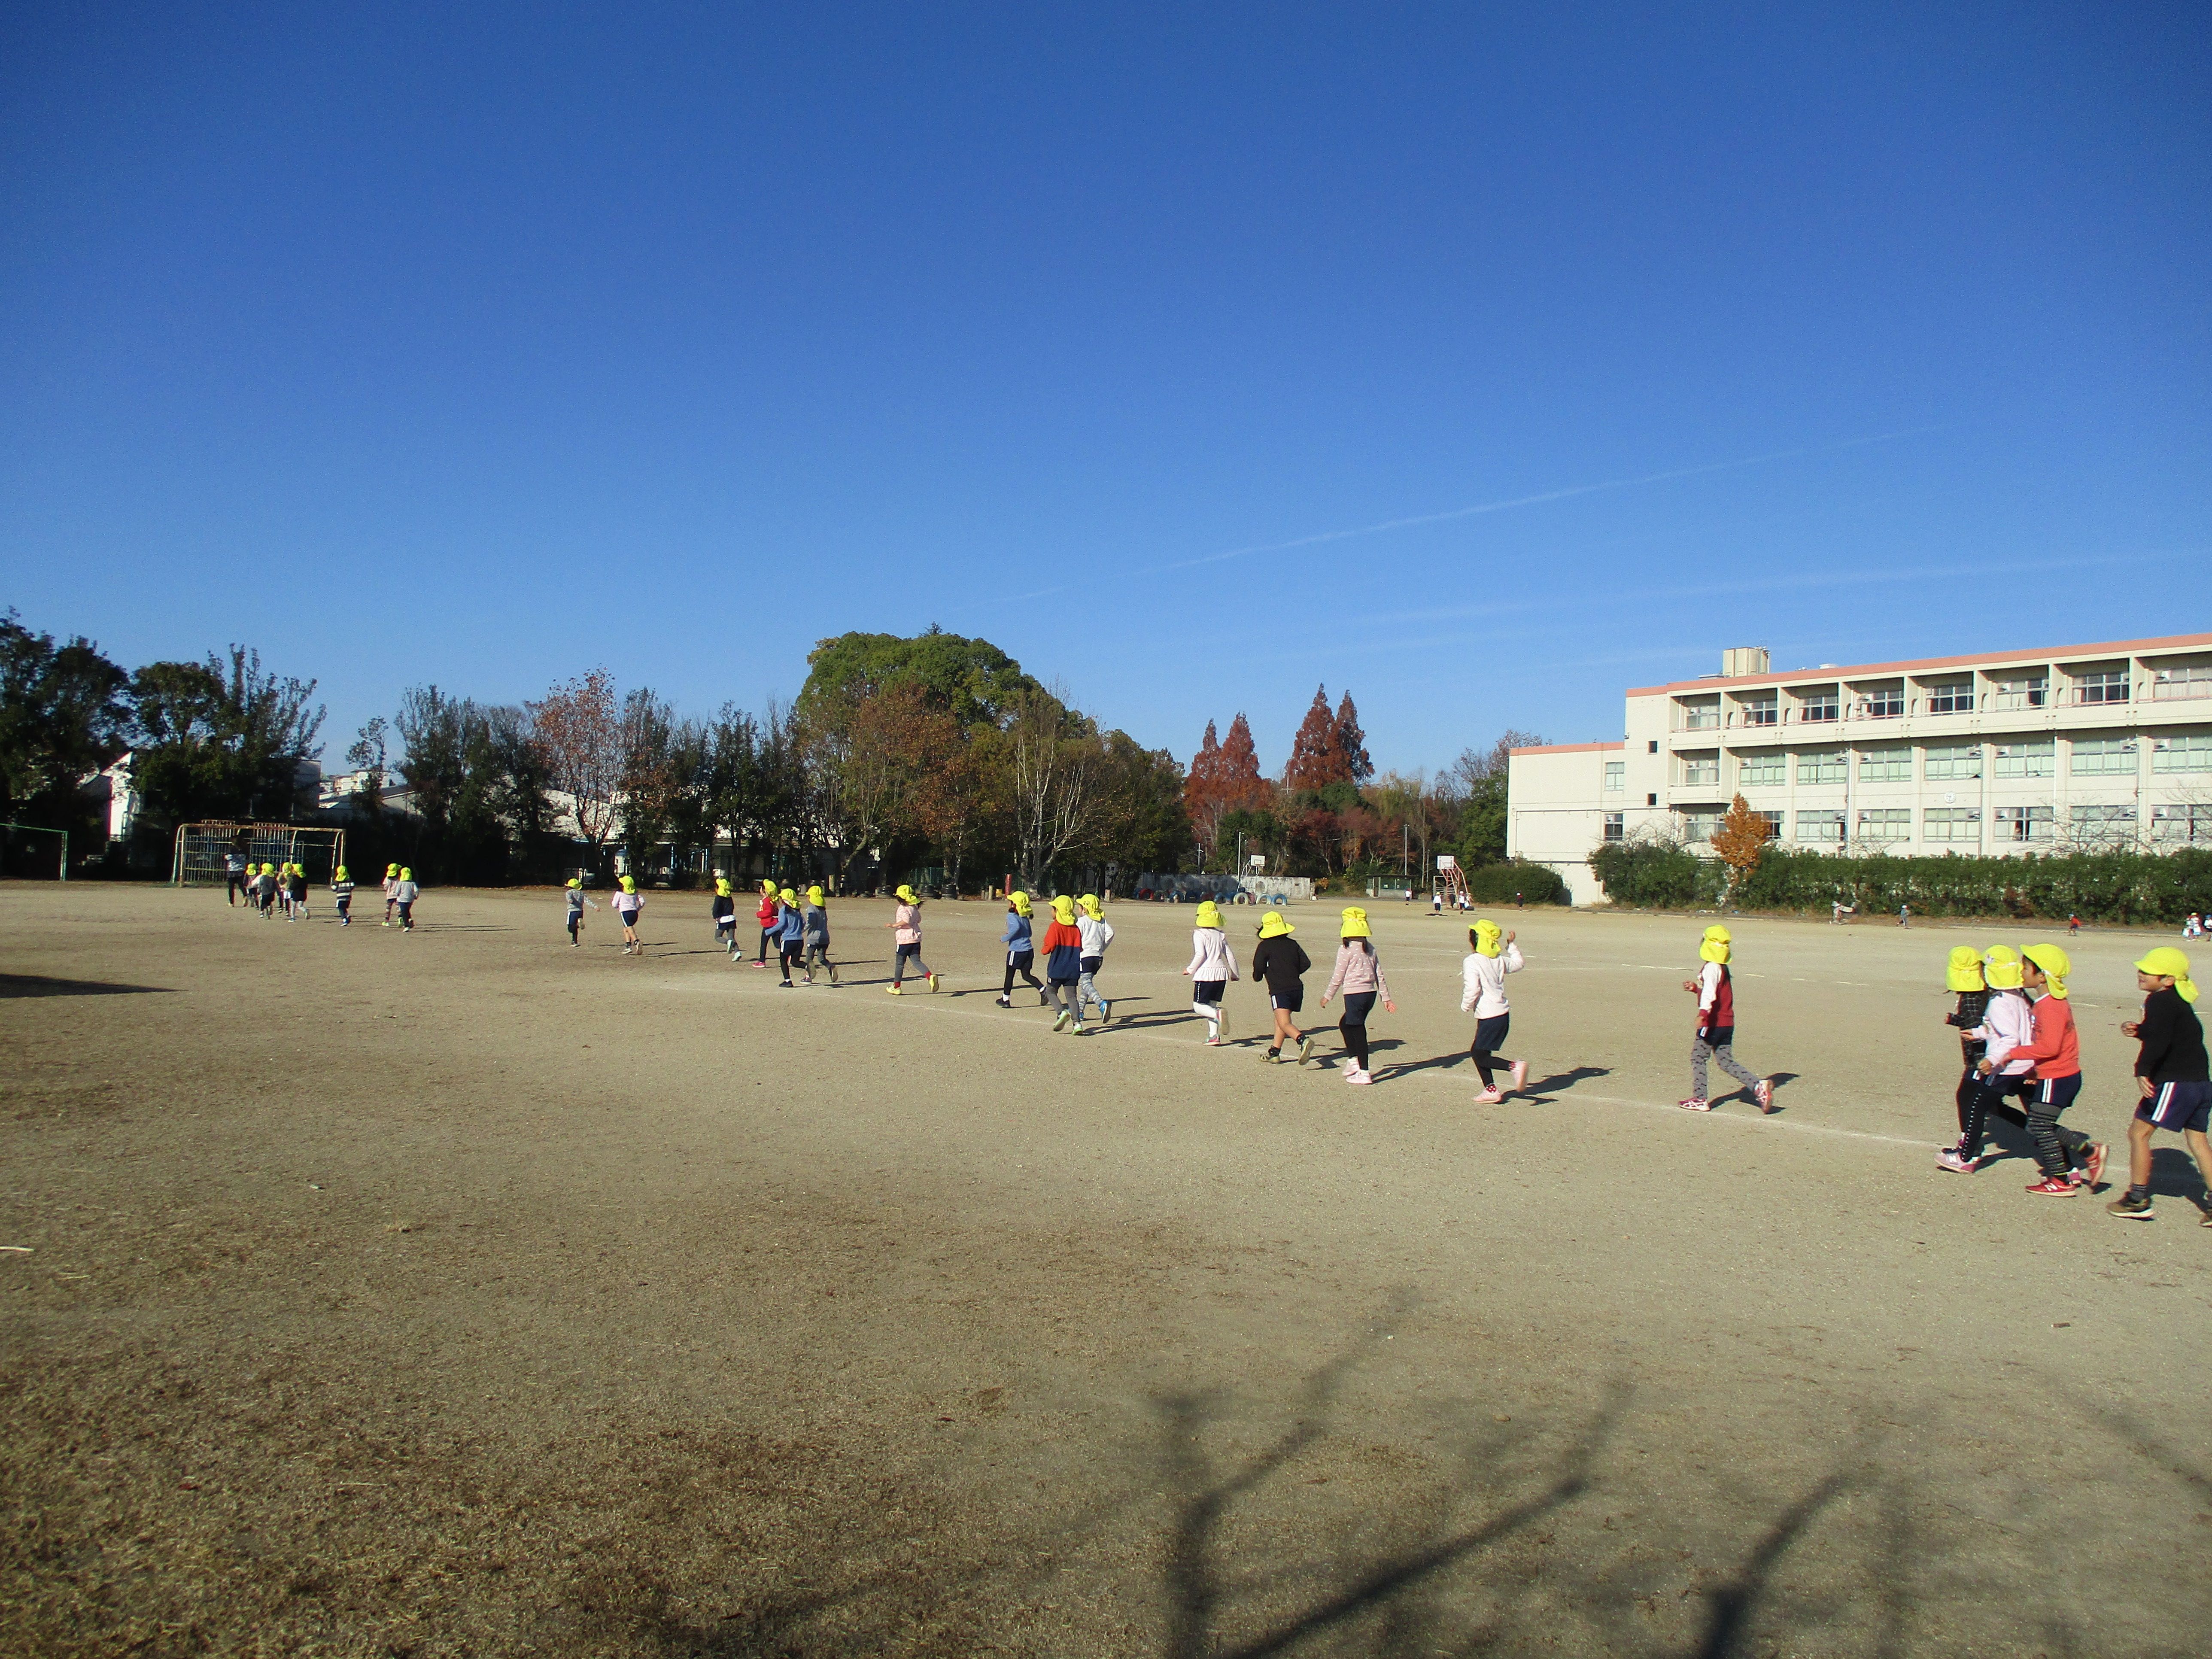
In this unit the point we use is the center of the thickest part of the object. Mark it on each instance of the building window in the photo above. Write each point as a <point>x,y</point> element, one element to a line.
<point>1885,823</point>
<point>2022,824</point>
<point>1773,825</point>
<point>2102,826</point>
<point>2190,751</point>
<point>1821,766</point>
<point>2102,758</point>
<point>1616,777</point>
<point>1886,765</point>
<point>1704,768</point>
<point>1699,825</point>
<point>1651,800</point>
<point>1655,745</point>
<point>1884,702</point>
<point>1760,711</point>
<point>2190,680</point>
<point>1821,827</point>
<point>1699,715</point>
<point>1951,823</point>
<point>1817,703</point>
<point>1952,697</point>
<point>1612,827</point>
<point>2182,824</point>
<point>1957,760</point>
<point>2101,685</point>
<point>2037,758</point>
<point>2021,691</point>
<point>1761,769</point>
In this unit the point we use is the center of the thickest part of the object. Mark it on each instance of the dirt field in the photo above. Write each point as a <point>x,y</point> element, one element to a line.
<point>463,1293</point>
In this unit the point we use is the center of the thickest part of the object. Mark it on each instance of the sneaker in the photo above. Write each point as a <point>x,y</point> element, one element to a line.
<point>2132,1208</point>
<point>1105,1010</point>
<point>1694,1105</point>
<point>2092,1163</point>
<point>1520,1070</point>
<point>1214,1043</point>
<point>1005,1002</point>
<point>932,978</point>
<point>1488,1097</point>
<point>2054,1186</point>
<point>1043,1001</point>
<point>2205,1219</point>
<point>1358,1079</point>
<point>1764,1094</point>
<point>1078,1030</point>
<point>784,985</point>
<point>1305,1049</point>
<point>1956,1162</point>
<point>1060,1023</point>
<point>1269,1057</point>
<point>895,990</point>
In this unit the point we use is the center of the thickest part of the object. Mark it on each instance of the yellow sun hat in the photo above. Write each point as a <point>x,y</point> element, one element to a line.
<point>1092,907</point>
<point>1714,947</point>
<point>1487,934</point>
<point>1965,971</point>
<point>2169,964</point>
<point>574,881</point>
<point>2055,965</point>
<point>1020,901</point>
<point>907,893</point>
<point>1209,914</point>
<point>768,886</point>
<point>1355,923</point>
<point>340,875</point>
<point>629,884</point>
<point>2001,968</point>
<point>1063,911</point>
<point>814,896</point>
<point>1272,926</point>
<point>406,874</point>
<point>389,869</point>
<point>722,887</point>
<point>788,896</point>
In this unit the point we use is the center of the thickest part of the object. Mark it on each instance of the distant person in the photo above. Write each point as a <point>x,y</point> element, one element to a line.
<point>299,894</point>
<point>342,895</point>
<point>1436,901</point>
<point>578,898</point>
<point>1063,964</point>
<point>1097,936</point>
<point>1962,976</point>
<point>765,913</point>
<point>814,935</point>
<point>391,892</point>
<point>723,910</point>
<point>1492,956</point>
<point>1904,916</point>
<point>906,941</point>
<point>1279,962</point>
<point>405,896</point>
<point>1212,965</point>
<point>2170,1078</point>
<point>1021,950</point>
<point>264,890</point>
<point>627,902</point>
<point>234,878</point>
<point>1715,1040</point>
<point>790,934</point>
<point>2073,926</point>
<point>1358,976</point>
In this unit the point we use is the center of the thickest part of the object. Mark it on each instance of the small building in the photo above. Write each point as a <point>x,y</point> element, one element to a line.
<point>2081,748</point>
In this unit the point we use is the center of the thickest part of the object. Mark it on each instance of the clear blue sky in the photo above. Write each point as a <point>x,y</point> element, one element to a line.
<point>484,346</point>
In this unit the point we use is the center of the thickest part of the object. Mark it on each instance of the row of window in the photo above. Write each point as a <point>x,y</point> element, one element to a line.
<point>2085,757</point>
<point>2176,825</point>
<point>2021,689</point>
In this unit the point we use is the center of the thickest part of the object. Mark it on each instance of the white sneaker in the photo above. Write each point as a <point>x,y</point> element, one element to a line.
<point>1520,1070</point>
<point>1356,1076</point>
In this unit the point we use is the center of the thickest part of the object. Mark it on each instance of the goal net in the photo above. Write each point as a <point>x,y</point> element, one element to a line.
<point>203,850</point>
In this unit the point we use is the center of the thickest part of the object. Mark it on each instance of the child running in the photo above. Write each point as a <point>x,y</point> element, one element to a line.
<point>1212,965</point>
<point>906,944</point>
<point>404,895</point>
<point>628,903</point>
<point>1280,962</point>
<point>766,914</point>
<point>1063,964</point>
<point>1358,976</point>
<point>1098,934</point>
<point>2170,1079</point>
<point>1963,975</point>
<point>724,910</point>
<point>2055,1048</point>
<point>578,898</point>
<point>342,892</point>
<point>790,934</point>
<point>391,888</point>
<point>1482,993</point>
<point>1021,952</point>
<point>298,894</point>
<point>2006,1022</point>
<point>265,890</point>
<point>814,933</point>
<point>1716,993</point>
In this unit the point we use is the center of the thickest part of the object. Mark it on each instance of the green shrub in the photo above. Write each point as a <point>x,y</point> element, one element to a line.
<point>1649,874</point>
<point>1497,883</point>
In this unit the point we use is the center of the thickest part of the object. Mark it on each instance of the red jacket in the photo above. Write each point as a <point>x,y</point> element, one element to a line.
<point>2055,1047</point>
<point>770,905</point>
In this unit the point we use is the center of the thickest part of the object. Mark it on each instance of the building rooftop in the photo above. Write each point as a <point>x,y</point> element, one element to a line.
<point>1921,665</point>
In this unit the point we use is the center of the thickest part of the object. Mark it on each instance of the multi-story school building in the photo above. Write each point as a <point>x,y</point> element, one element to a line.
<point>2032,751</point>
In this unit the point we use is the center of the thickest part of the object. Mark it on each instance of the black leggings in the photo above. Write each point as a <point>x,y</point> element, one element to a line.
<point>1358,1004</point>
<point>767,934</point>
<point>2055,1146</point>
<point>1017,962</point>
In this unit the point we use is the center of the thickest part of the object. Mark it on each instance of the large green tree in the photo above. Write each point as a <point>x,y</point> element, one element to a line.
<point>63,716</point>
<point>223,738</point>
<point>971,680</point>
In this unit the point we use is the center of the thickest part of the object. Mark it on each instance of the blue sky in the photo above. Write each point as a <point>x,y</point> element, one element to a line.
<point>484,346</point>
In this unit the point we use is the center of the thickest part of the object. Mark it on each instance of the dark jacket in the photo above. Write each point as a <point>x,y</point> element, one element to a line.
<point>1968,1015</point>
<point>2172,1041</point>
<point>1280,962</point>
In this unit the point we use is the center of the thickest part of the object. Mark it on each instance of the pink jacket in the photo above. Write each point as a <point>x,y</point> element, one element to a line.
<point>1357,970</point>
<point>905,924</point>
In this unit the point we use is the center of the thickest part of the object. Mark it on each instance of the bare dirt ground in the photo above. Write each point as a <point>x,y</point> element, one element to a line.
<point>463,1293</point>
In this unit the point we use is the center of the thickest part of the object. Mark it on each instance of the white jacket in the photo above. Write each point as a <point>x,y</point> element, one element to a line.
<point>1209,955</point>
<point>1097,933</point>
<point>2007,1022</point>
<point>1482,988</point>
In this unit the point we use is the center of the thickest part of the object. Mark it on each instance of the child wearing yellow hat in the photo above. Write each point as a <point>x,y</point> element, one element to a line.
<point>2170,1079</point>
<point>724,911</point>
<point>342,892</point>
<point>627,902</point>
<point>577,899</point>
<point>2007,1023</point>
<point>296,905</point>
<point>790,932</point>
<point>1358,976</point>
<point>1715,988</point>
<point>1482,993</point>
<point>1212,965</point>
<point>769,913</point>
<point>264,890</point>
<point>2054,1048</point>
<point>404,894</point>
<point>1098,934</point>
<point>906,940</point>
<point>1962,976</point>
<point>1021,950</point>
<point>814,935</point>
<point>391,882</point>
<point>1279,962</point>
<point>1063,963</point>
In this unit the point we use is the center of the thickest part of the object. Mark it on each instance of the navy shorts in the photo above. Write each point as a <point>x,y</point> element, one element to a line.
<point>1207,990</point>
<point>1490,1034</point>
<point>1291,1001</point>
<point>2179,1106</point>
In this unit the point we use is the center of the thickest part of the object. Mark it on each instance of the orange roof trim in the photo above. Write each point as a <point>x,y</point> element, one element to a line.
<point>1565,748</point>
<point>1860,670</point>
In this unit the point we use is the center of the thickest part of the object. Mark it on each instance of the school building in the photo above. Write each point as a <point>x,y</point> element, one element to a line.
<point>2087,746</point>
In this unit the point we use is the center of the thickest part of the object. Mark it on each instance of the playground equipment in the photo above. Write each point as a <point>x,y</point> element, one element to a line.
<point>1451,886</point>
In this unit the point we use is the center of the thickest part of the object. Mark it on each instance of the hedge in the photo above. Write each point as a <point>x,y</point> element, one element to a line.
<point>2119,887</point>
<point>1497,884</point>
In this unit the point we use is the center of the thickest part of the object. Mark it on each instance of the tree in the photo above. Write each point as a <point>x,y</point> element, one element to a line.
<point>63,716</point>
<point>1140,824</point>
<point>1315,760</point>
<point>579,728</point>
<point>1201,789</point>
<point>1242,787</point>
<point>652,777</point>
<point>1352,742</point>
<point>1481,777</point>
<point>1739,840</point>
<point>1053,756</point>
<point>867,756</point>
<point>971,680</point>
<point>366,757</point>
<point>957,797</point>
<point>219,739</point>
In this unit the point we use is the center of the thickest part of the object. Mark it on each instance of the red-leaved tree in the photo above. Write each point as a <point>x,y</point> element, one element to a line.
<point>1316,762</point>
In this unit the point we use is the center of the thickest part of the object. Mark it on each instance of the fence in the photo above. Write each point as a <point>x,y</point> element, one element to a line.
<point>1223,889</point>
<point>203,850</point>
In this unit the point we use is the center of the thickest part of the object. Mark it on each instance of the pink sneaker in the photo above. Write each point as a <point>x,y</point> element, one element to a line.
<point>1520,1070</point>
<point>1358,1078</point>
<point>1765,1095</point>
<point>1694,1105</point>
<point>1488,1097</point>
<point>1956,1162</point>
<point>2092,1168</point>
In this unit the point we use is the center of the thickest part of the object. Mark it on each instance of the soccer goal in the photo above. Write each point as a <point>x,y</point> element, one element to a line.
<point>203,850</point>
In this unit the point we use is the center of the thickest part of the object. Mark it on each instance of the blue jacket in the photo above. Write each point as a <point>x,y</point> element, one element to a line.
<point>790,923</point>
<point>1018,934</point>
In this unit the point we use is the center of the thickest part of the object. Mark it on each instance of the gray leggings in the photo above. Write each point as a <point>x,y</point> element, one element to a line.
<point>1722,1053</point>
<point>1064,994</point>
<point>1086,990</point>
